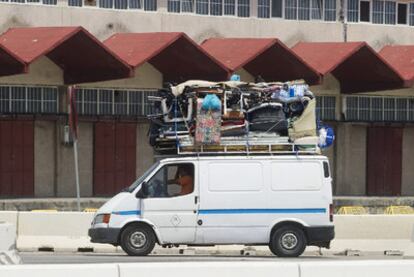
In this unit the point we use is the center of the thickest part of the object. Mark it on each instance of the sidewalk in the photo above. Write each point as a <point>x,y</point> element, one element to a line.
<point>374,205</point>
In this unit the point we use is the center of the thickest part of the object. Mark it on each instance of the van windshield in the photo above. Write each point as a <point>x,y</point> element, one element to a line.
<point>135,184</point>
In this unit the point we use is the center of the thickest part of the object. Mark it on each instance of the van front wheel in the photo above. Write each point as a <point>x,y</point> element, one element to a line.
<point>137,240</point>
<point>288,241</point>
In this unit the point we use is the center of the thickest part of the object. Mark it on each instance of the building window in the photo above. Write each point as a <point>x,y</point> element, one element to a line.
<point>202,6</point>
<point>45,2</point>
<point>377,12</point>
<point>114,102</point>
<point>316,9</point>
<point>135,4</point>
<point>243,8</point>
<point>263,8</point>
<point>229,7</point>
<point>187,6</point>
<point>385,12</point>
<point>377,108</point>
<point>216,7</point>
<point>150,5</point>
<point>303,9</point>
<point>326,107</point>
<point>364,15</point>
<point>291,9</point>
<point>28,100</point>
<point>390,12</point>
<point>108,4</point>
<point>298,9</point>
<point>411,14</point>
<point>75,3</point>
<point>147,5</point>
<point>121,4</point>
<point>353,10</point>
<point>277,8</point>
<point>173,6</point>
<point>402,13</point>
<point>330,10</point>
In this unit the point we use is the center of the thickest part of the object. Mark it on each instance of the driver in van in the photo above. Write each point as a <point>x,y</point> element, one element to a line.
<point>185,179</point>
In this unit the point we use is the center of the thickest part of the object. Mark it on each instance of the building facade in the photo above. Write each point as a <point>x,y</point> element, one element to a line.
<point>367,97</point>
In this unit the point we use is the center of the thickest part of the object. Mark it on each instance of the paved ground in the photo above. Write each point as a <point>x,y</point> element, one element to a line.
<point>68,258</point>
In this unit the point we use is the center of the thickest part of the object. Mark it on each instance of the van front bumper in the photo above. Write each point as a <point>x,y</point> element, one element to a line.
<point>320,236</point>
<point>104,235</point>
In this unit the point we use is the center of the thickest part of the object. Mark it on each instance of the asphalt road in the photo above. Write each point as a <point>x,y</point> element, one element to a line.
<point>72,258</point>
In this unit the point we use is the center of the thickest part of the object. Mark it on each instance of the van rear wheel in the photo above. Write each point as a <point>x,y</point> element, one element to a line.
<point>137,240</point>
<point>288,241</point>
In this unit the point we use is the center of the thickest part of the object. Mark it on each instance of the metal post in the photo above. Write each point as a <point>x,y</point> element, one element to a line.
<point>75,152</point>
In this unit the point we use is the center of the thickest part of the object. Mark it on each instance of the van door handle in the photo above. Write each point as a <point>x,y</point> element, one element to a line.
<point>195,199</point>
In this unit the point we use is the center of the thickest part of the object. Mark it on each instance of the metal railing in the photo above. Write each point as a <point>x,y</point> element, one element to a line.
<point>29,100</point>
<point>378,108</point>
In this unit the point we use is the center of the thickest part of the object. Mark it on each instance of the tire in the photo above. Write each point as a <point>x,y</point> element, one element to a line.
<point>137,240</point>
<point>288,241</point>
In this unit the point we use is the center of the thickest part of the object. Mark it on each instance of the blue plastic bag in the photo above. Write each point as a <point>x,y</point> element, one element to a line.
<point>326,136</point>
<point>235,77</point>
<point>211,102</point>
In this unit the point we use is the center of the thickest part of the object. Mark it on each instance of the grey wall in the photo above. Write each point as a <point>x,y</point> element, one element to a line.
<point>105,22</point>
<point>145,153</point>
<point>408,162</point>
<point>44,158</point>
<point>66,186</point>
<point>351,159</point>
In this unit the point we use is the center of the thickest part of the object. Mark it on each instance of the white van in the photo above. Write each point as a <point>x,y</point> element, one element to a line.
<point>282,201</point>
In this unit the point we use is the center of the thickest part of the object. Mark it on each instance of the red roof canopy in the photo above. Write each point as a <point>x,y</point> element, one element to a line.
<point>10,64</point>
<point>267,57</point>
<point>356,65</point>
<point>175,55</point>
<point>81,56</point>
<point>401,57</point>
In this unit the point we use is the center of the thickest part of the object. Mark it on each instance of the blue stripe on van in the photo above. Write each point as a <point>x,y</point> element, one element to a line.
<point>136,212</point>
<point>242,211</point>
<point>263,211</point>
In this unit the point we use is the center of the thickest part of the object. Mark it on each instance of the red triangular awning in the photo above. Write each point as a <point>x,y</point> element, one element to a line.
<point>267,57</point>
<point>356,66</point>
<point>10,64</point>
<point>175,55</point>
<point>79,54</point>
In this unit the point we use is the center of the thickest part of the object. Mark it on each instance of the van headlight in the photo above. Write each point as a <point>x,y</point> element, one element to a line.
<point>102,218</point>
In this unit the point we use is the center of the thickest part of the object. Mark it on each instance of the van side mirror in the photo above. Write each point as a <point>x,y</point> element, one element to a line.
<point>143,192</point>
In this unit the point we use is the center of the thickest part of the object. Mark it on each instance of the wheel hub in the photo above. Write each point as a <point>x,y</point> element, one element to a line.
<point>289,241</point>
<point>137,239</point>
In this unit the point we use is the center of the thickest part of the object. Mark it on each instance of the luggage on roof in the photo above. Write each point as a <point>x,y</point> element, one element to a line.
<point>197,115</point>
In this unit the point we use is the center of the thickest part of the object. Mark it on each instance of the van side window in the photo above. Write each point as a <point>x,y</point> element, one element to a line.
<point>172,180</point>
<point>326,169</point>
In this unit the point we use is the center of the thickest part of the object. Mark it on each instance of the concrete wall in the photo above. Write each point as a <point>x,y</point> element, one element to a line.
<point>145,153</point>
<point>145,77</point>
<point>113,21</point>
<point>245,76</point>
<point>44,158</point>
<point>41,72</point>
<point>65,163</point>
<point>54,161</point>
<point>407,92</point>
<point>407,186</point>
<point>350,159</point>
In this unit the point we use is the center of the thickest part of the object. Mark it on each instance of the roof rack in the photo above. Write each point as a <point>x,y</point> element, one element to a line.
<point>263,146</point>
